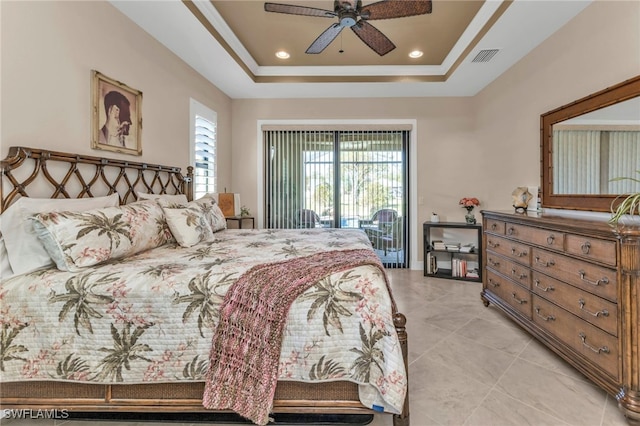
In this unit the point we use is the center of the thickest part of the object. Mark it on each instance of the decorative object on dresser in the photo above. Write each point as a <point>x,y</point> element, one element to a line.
<point>626,208</point>
<point>454,244</point>
<point>521,197</point>
<point>469,204</point>
<point>117,116</point>
<point>573,284</point>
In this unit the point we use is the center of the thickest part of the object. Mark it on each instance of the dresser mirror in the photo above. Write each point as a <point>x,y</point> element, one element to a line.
<point>589,142</point>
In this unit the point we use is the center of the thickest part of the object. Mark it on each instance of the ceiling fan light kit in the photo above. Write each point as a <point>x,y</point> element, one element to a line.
<point>351,14</point>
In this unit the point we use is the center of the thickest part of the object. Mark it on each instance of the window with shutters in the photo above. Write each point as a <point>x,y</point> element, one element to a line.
<point>203,148</point>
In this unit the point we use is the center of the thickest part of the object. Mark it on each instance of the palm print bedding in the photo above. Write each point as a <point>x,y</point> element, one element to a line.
<point>150,317</point>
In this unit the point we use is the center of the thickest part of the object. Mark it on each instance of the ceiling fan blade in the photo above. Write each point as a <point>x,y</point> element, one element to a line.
<point>325,39</point>
<point>387,9</point>
<point>373,38</point>
<point>298,10</point>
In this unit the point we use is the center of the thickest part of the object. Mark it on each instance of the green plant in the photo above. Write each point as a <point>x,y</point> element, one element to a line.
<point>244,211</point>
<point>630,204</point>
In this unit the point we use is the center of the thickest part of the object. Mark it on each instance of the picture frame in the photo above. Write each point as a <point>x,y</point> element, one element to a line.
<point>116,116</point>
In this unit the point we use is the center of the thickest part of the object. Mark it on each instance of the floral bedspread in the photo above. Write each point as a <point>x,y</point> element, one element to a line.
<point>150,318</point>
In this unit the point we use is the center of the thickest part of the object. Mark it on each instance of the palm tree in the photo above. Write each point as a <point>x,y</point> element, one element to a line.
<point>125,350</point>
<point>9,351</point>
<point>80,296</point>
<point>114,228</point>
<point>368,354</point>
<point>203,299</point>
<point>326,370</point>
<point>332,300</point>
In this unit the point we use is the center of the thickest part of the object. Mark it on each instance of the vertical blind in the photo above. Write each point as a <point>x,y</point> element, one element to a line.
<point>335,178</point>
<point>205,157</point>
<point>624,160</point>
<point>590,161</point>
<point>576,155</point>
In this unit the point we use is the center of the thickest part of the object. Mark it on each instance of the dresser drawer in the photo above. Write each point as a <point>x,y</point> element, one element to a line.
<point>591,278</point>
<point>596,310</point>
<point>515,251</point>
<point>511,293</point>
<point>517,272</point>
<point>542,237</point>
<point>594,344</point>
<point>495,226</point>
<point>603,251</point>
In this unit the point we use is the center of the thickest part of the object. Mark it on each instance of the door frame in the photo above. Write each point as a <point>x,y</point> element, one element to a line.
<point>414,262</point>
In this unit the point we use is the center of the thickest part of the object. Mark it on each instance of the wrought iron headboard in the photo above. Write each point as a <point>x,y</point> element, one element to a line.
<point>52,174</point>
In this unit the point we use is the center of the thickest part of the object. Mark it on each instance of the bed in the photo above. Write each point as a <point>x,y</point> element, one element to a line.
<point>136,332</point>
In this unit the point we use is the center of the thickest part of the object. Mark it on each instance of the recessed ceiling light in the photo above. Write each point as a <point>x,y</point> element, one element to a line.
<point>415,54</point>
<point>282,54</point>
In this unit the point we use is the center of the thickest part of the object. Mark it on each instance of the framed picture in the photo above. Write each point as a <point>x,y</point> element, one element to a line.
<point>117,116</point>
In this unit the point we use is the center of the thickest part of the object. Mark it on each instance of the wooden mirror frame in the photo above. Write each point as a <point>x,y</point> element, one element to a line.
<point>599,202</point>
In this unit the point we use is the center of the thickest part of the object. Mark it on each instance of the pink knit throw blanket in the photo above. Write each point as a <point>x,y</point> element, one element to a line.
<point>245,351</point>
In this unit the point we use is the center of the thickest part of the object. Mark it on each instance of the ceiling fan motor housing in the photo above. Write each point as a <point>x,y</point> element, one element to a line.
<point>348,18</point>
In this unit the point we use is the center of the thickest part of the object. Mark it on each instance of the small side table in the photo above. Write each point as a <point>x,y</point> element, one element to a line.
<point>241,220</point>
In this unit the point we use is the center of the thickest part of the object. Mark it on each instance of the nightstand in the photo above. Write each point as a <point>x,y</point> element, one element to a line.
<point>241,222</point>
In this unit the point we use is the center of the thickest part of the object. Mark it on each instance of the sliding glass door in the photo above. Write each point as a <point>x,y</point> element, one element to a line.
<point>340,179</point>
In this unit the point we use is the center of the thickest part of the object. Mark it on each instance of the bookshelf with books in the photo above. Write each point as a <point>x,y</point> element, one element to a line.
<point>452,250</point>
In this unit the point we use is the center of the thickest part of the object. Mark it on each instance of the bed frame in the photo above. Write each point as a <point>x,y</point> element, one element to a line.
<point>49,174</point>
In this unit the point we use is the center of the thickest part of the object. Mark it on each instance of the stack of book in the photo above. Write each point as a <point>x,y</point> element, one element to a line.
<point>453,246</point>
<point>438,245</point>
<point>458,268</point>
<point>467,248</point>
<point>432,264</point>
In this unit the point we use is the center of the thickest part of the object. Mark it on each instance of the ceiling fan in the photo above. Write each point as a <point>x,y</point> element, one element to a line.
<point>352,14</point>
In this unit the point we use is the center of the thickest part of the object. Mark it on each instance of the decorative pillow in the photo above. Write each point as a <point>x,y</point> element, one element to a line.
<point>176,198</point>
<point>212,212</point>
<point>188,223</point>
<point>24,250</point>
<point>75,240</point>
<point>5,267</point>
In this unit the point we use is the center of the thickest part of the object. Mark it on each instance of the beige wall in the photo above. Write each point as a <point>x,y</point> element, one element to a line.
<point>599,48</point>
<point>482,146</point>
<point>48,51</point>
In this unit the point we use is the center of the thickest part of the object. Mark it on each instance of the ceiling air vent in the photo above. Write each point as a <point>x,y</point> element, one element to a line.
<point>485,55</point>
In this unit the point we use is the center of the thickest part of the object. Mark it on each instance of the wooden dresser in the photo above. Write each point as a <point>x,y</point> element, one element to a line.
<point>574,284</point>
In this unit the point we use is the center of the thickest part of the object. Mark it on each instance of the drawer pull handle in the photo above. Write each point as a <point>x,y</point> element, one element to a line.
<point>586,247</point>
<point>492,244</point>
<point>603,312</point>
<point>494,226</point>
<point>493,262</point>
<point>521,276</point>
<point>603,280</point>
<point>511,231</point>
<point>550,239</point>
<point>545,264</point>
<point>550,288</point>
<point>520,301</point>
<point>603,349</point>
<point>493,283</point>
<point>518,254</point>
<point>547,318</point>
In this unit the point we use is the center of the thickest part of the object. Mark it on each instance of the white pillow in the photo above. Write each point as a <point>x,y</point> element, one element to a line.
<point>24,250</point>
<point>176,198</point>
<point>5,266</point>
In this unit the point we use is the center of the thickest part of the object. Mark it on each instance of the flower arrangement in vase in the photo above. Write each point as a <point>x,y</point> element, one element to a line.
<point>469,203</point>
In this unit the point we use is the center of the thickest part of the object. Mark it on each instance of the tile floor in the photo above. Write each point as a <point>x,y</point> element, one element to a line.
<point>470,365</point>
